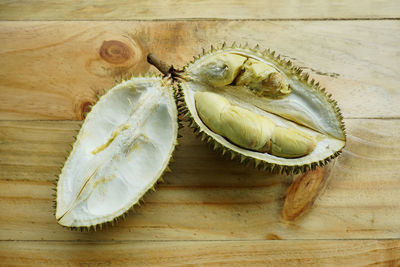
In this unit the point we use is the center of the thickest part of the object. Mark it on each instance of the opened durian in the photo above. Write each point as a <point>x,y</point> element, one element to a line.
<point>123,148</point>
<point>259,108</point>
<point>247,103</point>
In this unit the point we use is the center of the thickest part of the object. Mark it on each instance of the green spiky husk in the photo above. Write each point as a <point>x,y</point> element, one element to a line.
<point>257,163</point>
<point>160,180</point>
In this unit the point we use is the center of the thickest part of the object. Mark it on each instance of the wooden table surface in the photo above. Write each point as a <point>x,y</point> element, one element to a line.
<point>54,59</point>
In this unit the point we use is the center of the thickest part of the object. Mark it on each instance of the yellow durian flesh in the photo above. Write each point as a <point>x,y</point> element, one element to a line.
<point>251,130</point>
<point>264,79</point>
<point>291,142</point>
<point>221,70</point>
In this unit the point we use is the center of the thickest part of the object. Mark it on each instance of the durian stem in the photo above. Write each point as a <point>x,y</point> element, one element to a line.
<point>162,66</point>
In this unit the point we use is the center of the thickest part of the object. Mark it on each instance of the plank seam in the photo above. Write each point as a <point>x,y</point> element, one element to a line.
<point>205,240</point>
<point>204,19</point>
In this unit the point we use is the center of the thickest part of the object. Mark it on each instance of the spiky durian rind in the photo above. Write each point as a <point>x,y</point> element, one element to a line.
<point>168,83</point>
<point>258,163</point>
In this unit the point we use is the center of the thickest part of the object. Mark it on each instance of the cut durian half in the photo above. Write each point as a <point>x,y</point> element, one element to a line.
<point>122,150</point>
<point>301,126</point>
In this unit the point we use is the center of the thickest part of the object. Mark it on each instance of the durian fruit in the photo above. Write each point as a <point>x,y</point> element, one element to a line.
<point>259,108</point>
<point>122,150</point>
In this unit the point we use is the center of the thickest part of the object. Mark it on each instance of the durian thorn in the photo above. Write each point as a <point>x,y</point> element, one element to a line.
<point>193,124</point>
<point>163,67</point>
<point>216,145</point>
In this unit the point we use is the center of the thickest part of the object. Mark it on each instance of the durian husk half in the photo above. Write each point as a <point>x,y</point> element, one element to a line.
<point>122,150</point>
<point>306,107</point>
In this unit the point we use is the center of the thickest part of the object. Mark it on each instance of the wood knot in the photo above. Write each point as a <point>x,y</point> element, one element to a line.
<point>302,193</point>
<point>115,52</point>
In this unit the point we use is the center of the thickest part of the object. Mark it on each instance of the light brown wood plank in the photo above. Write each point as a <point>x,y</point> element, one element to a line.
<point>207,197</point>
<point>227,9</point>
<point>53,70</point>
<point>230,253</point>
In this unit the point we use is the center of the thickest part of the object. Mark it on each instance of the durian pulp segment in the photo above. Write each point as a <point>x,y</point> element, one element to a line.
<point>262,79</point>
<point>250,130</point>
<point>303,104</point>
<point>221,69</point>
<point>122,149</point>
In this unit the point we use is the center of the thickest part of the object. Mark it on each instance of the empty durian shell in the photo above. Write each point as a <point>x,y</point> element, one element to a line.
<point>123,148</point>
<point>273,115</point>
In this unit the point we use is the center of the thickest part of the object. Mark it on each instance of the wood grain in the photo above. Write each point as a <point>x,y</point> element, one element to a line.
<point>226,9</point>
<point>207,197</point>
<point>230,253</point>
<point>209,211</point>
<point>54,70</point>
